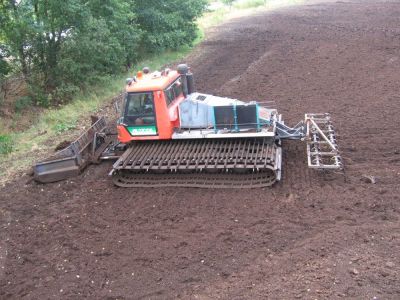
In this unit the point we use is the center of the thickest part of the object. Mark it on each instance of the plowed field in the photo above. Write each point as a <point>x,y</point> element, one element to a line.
<point>312,236</point>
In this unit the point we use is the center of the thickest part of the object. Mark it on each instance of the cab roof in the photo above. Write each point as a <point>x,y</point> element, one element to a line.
<point>152,82</point>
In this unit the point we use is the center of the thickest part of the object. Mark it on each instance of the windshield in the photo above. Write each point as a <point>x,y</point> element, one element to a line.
<point>140,109</point>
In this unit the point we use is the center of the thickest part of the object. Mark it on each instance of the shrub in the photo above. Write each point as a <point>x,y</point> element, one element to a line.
<point>38,96</point>
<point>22,103</point>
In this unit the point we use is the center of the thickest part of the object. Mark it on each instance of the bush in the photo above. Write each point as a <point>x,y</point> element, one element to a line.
<point>64,93</point>
<point>22,103</point>
<point>5,144</point>
<point>38,95</point>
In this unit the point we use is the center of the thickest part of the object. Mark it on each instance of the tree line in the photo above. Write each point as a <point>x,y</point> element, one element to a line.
<point>62,46</point>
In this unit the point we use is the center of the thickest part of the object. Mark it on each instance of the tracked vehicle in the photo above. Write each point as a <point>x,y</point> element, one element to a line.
<point>171,135</point>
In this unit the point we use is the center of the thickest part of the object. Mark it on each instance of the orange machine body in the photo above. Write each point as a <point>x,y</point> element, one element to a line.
<point>165,107</point>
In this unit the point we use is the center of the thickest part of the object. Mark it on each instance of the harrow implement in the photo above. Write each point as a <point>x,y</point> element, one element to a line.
<point>322,148</point>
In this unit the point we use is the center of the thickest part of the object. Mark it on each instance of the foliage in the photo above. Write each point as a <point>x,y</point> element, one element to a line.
<point>5,67</point>
<point>22,103</point>
<point>63,46</point>
<point>167,25</point>
<point>228,2</point>
<point>89,54</point>
<point>5,144</point>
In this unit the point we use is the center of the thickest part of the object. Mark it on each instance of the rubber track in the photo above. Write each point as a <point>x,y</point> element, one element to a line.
<point>199,180</point>
<point>233,163</point>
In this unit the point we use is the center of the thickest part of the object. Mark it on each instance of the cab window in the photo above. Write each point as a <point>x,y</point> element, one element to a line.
<point>174,91</point>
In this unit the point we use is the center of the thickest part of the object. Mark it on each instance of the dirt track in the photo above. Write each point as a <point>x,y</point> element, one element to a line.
<point>309,237</point>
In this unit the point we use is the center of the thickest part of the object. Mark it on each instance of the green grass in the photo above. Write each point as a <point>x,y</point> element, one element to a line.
<point>249,4</point>
<point>241,8</point>
<point>5,144</point>
<point>224,13</point>
<point>213,18</point>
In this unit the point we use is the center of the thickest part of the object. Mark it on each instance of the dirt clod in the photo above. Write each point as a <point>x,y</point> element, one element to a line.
<point>354,271</point>
<point>368,179</point>
<point>390,264</point>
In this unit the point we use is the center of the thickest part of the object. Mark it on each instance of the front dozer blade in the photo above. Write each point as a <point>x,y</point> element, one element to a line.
<point>70,161</point>
<point>56,170</point>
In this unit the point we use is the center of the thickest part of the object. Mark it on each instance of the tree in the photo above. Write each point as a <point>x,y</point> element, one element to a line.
<point>16,31</point>
<point>167,25</point>
<point>90,53</point>
<point>60,46</point>
<point>121,21</point>
<point>35,31</point>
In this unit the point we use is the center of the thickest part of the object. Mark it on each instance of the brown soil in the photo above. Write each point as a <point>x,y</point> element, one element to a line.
<point>312,236</point>
<point>62,145</point>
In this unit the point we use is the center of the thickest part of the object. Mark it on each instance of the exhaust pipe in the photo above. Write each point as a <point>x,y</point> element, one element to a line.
<point>187,79</point>
<point>190,83</point>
